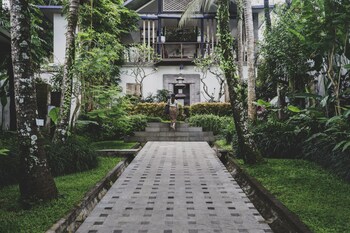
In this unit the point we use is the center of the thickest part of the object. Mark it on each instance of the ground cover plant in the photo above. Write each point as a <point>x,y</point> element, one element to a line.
<point>42,216</point>
<point>319,198</point>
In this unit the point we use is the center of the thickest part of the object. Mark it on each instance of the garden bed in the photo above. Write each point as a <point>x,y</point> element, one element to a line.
<point>308,193</point>
<point>41,217</point>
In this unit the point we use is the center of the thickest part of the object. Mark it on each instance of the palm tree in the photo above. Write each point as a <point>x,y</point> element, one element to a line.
<point>35,180</point>
<point>62,127</point>
<point>240,38</point>
<point>246,146</point>
<point>248,16</point>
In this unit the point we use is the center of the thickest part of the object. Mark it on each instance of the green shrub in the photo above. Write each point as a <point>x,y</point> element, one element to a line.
<point>218,109</point>
<point>73,155</point>
<point>88,128</point>
<point>331,148</point>
<point>117,128</point>
<point>154,110</point>
<point>9,161</point>
<point>137,123</point>
<point>210,122</point>
<point>8,169</point>
<point>278,139</point>
<point>114,128</point>
<point>153,119</point>
<point>228,131</point>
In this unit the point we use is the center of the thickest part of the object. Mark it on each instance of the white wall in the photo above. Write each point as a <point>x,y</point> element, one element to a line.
<point>271,2</point>
<point>154,82</point>
<point>59,39</point>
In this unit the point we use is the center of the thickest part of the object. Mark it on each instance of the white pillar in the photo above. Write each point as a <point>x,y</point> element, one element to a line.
<point>144,32</point>
<point>149,38</point>
<point>213,29</point>
<point>153,33</point>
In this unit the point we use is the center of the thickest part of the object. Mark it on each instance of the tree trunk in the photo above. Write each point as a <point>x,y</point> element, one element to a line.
<point>246,147</point>
<point>35,180</point>
<point>267,15</point>
<point>62,127</point>
<point>248,15</point>
<point>240,47</point>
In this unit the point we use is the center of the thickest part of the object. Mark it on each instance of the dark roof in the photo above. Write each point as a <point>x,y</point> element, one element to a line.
<point>135,4</point>
<point>50,10</point>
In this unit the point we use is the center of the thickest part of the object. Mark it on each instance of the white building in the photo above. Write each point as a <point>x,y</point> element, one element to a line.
<point>177,48</point>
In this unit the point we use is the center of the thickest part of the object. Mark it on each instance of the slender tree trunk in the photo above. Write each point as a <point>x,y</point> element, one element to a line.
<point>246,147</point>
<point>62,127</point>
<point>35,181</point>
<point>13,120</point>
<point>267,15</point>
<point>240,47</point>
<point>248,16</point>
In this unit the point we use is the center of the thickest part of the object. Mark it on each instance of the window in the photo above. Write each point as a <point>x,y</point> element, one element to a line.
<point>133,89</point>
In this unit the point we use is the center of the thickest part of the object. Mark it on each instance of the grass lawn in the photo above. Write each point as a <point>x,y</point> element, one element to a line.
<point>321,200</point>
<point>113,145</point>
<point>41,217</point>
<point>223,145</point>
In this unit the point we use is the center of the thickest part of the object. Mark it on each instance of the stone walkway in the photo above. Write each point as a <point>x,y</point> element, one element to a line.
<point>175,187</point>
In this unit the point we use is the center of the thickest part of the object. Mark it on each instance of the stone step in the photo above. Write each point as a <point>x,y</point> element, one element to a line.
<point>173,134</point>
<point>166,125</point>
<point>167,129</point>
<point>168,138</point>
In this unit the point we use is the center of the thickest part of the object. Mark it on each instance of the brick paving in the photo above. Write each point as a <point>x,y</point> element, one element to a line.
<point>175,187</point>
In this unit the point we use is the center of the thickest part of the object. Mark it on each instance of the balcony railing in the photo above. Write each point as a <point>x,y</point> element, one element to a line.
<point>170,51</point>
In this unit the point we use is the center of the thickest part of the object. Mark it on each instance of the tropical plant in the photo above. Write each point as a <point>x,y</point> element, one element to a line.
<point>210,122</point>
<point>284,65</point>
<point>331,147</point>
<point>315,37</point>
<point>162,95</point>
<point>73,155</point>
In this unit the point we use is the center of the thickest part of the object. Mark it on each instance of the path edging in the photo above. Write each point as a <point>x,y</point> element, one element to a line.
<point>76,217</point>
<point>277,215</point>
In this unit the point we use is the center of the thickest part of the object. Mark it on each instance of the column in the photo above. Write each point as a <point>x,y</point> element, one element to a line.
<point>149,38</point>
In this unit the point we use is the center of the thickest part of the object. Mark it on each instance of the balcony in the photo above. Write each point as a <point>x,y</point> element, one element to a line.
<point>179,51</point>
<point>169,52</point>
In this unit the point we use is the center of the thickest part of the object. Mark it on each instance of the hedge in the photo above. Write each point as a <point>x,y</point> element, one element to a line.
<point>155,110</point>
<point>218,109</point>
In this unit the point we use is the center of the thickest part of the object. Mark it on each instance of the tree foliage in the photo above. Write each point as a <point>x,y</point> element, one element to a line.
<point>101,25</point>
<point>309,36</point>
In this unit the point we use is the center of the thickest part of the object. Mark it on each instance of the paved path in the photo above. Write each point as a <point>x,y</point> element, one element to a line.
<point>175,187</point>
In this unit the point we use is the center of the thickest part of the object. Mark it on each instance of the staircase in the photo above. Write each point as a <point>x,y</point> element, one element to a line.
<point>162,132</point>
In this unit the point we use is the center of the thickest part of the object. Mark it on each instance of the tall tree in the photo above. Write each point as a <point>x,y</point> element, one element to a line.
<point>35,181</point>
<point>240,38</point>
<point>246,146</point>
<point>62,127</point>
<point>248,16</point>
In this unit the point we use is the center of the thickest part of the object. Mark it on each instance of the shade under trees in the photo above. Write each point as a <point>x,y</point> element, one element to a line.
<point>35,180</point>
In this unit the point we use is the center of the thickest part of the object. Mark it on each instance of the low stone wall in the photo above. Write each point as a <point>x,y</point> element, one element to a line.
<point>279,217</point>
<point>76,217</point>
